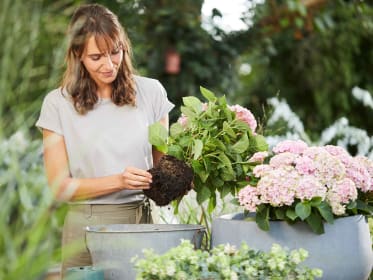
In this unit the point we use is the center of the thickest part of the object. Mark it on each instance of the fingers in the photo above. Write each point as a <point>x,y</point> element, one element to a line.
<point>135,178</point>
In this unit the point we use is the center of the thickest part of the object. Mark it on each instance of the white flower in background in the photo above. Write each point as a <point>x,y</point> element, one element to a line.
<point>363,95</point>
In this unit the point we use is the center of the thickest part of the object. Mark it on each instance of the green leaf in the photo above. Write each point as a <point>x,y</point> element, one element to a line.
<point>316,201</point>
<point>209,95</point>
<point>203,194</point>
<point>222,101</point>
<point>193,103</point>
<point>216,181</point>
<point>189,113</point>
<point>200,170</point>
<point>176,129</point>
<point>176,151</point>
<point>362,206</point>
<point>315,222</point>
<point>197,148</point>
<point>280,213</point>
<point>290,213</point>
<point>228,130</point>
<point>242,144</point>
<point>225,190</point>
<point>258,143</point>
<point>326,212</point>
<point>158,136</point>
<point>303,210</point>
<point>262,217</point>
<point>212,203</point>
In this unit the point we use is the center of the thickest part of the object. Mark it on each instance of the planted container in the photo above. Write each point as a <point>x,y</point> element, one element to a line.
<point>113,246</point>
<point>343,252</point>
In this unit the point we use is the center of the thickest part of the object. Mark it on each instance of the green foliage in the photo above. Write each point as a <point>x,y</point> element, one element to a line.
<point>29,222</point>
<point>315,64</point>
<point>214,142</point>
<point>224,262</point>
<point>31,57</point>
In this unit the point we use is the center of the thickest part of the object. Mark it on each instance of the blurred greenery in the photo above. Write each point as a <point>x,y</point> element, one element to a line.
<point>312,56</point>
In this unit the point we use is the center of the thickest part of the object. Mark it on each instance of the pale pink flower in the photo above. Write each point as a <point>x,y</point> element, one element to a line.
<point>369,167</point>
<point>292,146</point>
<point>340,194</point>
<point>248,198</point>
<point>183,120</point>
<point>277,187</point>
<point>285,158</point>
<point>309,187</point>
<point>258,157</point>
<point>244,115</point>
<point>261,169</point>
<point>304,165</point>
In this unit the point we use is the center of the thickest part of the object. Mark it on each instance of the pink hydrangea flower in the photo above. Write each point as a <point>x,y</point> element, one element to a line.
<point>292,146</point>
<point>258,157</point>
<point>368,164</point>
<point>261,169</point>
<point>304,165</point>
<point>297,172</point>
<point>244,115</point>
<point>309,187</point>
<point>282,159</point>
<point>248,198</point>
<point>277,187</point>
<point>183,120</point>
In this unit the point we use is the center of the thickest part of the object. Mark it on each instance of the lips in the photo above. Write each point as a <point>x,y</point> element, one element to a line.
<point>108,74</point>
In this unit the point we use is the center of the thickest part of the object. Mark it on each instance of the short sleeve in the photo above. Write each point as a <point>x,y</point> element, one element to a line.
<point>161,105</point>
<point>49,117</point>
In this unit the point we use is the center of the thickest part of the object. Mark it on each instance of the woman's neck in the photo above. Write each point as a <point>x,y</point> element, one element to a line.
<point>104,92</point>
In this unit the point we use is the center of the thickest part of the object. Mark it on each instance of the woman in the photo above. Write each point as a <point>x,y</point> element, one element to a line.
<point>95,130</point>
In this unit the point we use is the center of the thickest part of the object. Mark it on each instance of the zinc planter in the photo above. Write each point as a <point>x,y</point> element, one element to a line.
<point>113,246</point>
<point>343,252</point>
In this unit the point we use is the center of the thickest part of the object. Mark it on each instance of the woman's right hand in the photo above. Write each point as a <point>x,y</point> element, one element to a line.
<point>134,178</point>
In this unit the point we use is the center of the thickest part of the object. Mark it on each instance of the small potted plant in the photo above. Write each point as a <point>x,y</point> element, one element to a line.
<point>216,140</point>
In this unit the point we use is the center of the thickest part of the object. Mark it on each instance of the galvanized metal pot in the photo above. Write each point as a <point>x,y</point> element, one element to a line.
<point>113,246</point>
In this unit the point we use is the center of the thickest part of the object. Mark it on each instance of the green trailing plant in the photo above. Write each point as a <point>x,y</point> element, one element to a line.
<point>224,262</point>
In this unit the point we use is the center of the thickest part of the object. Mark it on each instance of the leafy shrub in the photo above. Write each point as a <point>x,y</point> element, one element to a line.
<point>29,221</point>
<point>224,262</point>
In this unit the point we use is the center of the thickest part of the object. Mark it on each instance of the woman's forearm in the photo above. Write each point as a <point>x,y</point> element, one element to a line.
<point>73,189</point>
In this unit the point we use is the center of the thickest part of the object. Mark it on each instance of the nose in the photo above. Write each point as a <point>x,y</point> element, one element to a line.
<point>108,62</point>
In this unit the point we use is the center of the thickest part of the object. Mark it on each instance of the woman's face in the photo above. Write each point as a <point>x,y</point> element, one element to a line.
<point>101,66</point>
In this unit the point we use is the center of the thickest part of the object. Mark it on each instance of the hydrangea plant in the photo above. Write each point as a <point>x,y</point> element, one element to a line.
<point>312,184</point>
<point>216,140</point>
<point>224,262</point>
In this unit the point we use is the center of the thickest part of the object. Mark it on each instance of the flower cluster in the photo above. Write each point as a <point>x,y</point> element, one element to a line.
<point>298,178</point>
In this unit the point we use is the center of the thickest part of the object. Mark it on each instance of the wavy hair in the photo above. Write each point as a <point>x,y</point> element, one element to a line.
<point>98,21</point>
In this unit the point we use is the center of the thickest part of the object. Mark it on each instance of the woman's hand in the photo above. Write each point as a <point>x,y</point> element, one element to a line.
<point>134,178</point>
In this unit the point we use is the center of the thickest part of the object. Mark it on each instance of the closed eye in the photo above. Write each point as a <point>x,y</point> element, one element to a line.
<point>95,57</point>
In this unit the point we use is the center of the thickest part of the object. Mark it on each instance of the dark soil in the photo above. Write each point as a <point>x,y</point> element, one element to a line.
<point>172,178</point>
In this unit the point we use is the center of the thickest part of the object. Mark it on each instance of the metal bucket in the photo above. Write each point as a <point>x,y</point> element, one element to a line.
<point>113,246</point>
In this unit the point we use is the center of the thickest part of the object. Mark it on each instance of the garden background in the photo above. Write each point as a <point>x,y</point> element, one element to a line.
<point>303,67</point>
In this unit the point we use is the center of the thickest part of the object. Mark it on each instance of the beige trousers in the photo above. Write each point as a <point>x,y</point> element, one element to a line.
<point>74,250</point>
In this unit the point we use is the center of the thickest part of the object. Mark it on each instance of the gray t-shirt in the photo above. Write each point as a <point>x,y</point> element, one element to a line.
<point>108,138</point>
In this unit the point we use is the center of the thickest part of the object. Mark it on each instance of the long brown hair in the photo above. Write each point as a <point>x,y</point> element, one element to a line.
<point>98,21</point>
